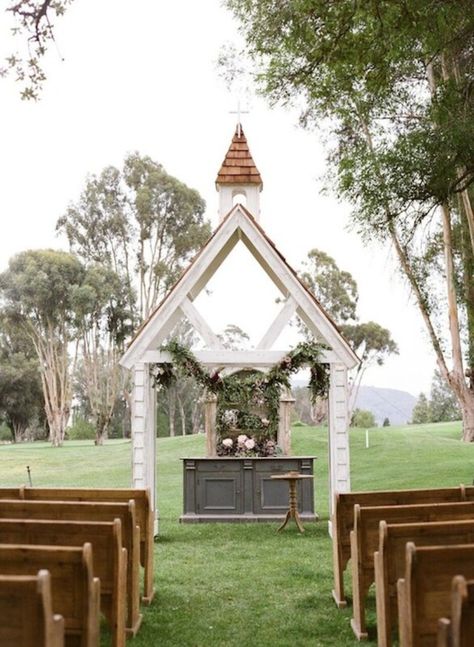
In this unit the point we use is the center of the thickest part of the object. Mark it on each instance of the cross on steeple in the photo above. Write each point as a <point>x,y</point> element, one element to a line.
<point>238,112</point>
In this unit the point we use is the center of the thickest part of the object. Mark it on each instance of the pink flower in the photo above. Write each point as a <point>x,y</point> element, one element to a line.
<point>241,439</point>
<point>227,442</point>
<point>249,443</point>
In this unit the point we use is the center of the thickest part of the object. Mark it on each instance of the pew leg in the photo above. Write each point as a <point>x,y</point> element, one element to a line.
<point>148,587</point>
<point>134,617</point>
<point>119,604</point>
<point>338,570</point>
<point>384,638</point>
<point>403,628</point>
<point>359,591</point>
<point>93,628</point>
<point>444,633</point>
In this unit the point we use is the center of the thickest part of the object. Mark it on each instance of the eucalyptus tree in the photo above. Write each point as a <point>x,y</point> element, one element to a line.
<point>140,221</point>
<point>37,291</point>
<point>103,320</point>
<point>392,81</point>
<point>337,292</point>
<point>21,397</point>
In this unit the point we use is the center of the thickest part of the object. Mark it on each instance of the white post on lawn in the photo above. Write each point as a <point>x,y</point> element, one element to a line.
<point>367,439</point>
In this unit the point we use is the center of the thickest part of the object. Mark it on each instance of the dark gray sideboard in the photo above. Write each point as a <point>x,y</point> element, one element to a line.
<point>240,489</point>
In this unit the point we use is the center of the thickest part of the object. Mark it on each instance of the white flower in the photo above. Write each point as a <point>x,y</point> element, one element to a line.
<point>249,443</point>
<point>265,422</point>
<point>241,439</point>
<point>227,442</point>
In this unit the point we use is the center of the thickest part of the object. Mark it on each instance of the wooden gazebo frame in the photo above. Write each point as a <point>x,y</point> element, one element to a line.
<point>237,225</point>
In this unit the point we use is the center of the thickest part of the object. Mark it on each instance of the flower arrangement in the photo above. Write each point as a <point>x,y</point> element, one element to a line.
<point>247,401</point>
<point>245,445</point>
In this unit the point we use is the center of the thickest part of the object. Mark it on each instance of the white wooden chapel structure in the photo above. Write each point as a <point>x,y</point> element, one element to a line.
<point>237,177</point>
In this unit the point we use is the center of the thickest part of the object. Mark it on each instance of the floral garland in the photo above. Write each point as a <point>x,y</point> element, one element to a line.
<point>248,400</point>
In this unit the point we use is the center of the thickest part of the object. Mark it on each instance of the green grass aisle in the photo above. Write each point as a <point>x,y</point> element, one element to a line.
<point>228,585</point>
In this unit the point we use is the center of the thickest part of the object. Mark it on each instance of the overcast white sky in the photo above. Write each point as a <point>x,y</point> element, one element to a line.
<point>142,76</point>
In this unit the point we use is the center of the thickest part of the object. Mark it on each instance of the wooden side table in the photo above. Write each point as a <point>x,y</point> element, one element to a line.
<point>292,478</point>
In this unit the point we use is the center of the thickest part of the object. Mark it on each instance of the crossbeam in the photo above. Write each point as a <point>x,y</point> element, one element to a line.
<point>235,358</point>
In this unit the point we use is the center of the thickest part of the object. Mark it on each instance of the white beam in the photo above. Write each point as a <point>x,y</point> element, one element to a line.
<point>280,321</point>
<point>200,324</point>
<point>233,358</point>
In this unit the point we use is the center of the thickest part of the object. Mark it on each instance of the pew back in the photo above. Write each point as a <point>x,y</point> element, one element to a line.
<point>26,612</point>
<point>75,592</point>
<point>426,596</point>
<point>343,519</point>
<point>389,561</point>
<point>87,511</point>
<point>108,557</point>
<point>143,511</point>
<point>365,539</point>
<point>462,612</point>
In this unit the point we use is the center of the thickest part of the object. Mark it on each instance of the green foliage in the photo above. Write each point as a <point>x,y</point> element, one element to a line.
<point>335,289</point>
<point>243,396</point>
<point>6,434</point>
<point>21,397</point>
<point>141,222</point>
<point>81,429</point>
<point>392,82</point>
<point>34,24</point>
<point>422,411</point>
<point>386,422</point>
<point>363,419</point>
<point>443,405</point>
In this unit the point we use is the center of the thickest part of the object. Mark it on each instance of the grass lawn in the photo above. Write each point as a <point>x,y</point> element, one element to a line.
<point>244,584</point>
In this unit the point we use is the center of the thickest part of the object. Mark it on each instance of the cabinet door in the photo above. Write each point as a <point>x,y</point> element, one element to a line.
<point>219,491</point>
<point>272,496</point>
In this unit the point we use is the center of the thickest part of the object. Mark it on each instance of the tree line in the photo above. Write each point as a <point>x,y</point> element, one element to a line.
<point>65,317</point>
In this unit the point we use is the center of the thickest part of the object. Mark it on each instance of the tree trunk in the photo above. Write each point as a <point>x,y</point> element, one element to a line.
<point>468,418</point>
<point>172,410</point>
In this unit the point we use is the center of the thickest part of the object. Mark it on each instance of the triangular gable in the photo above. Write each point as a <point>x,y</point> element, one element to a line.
<point>239,224</point>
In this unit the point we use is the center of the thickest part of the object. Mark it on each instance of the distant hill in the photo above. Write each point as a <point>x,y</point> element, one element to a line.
<point>395,405</point>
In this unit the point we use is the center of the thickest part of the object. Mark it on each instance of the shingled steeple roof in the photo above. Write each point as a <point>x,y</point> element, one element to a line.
<point>238,166</point>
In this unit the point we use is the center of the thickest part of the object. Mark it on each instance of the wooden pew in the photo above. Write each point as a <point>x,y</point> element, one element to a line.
<point>389,562</point>
<point>424,594</point>
<point>342,520</point>
<point>75,592</point>
<point>86,511</point>
<point>365,540</point>
<point>109,558</point>
<point>144,517</point>
<point>458,631</point>
<point>26,614</point>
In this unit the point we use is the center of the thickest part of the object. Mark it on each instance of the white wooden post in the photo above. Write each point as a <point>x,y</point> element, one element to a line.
<point>339,464</point>
<point>144,433</point>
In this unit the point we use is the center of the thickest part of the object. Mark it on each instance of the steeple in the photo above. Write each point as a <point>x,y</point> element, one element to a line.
<point>238,176</point>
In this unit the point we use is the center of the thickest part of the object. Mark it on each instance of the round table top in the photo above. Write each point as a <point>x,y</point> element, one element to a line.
<point>288,476</point>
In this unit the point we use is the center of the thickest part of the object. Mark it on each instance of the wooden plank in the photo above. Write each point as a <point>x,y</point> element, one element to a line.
<point>109,558</point>
<point>234,358</point>
<point>96,511</point>
<point>425,591</point>
<point>75,591</point>
<point>343,520</point>
<point>365,539</point>
<point>389,562</point>
<point>200,324</point>
<point>26,612</point>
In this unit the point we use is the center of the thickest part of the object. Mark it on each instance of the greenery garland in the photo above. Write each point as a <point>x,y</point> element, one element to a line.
<point>247,401</point>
